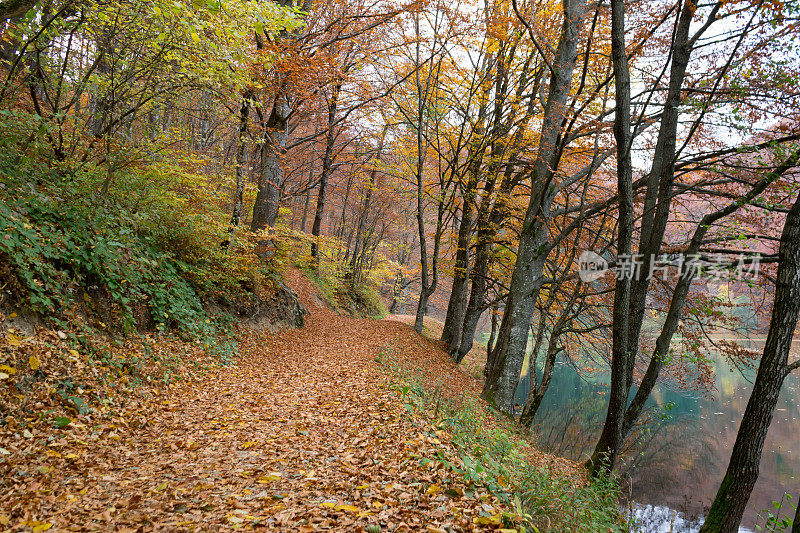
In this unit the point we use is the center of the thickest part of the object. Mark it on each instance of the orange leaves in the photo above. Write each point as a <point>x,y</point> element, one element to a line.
<point>303,434</point>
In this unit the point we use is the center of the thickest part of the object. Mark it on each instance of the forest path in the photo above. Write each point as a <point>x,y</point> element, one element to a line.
<point>305,433</point>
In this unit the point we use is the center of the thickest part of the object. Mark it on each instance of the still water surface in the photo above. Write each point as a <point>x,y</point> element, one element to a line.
<point>685,459</point>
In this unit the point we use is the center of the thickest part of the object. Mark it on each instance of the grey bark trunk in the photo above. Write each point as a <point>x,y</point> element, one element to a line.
<point>506,359</point>
<point>607,449</point>
<point>734,492</point>
<point>265,209</point>
<point>451,332</point>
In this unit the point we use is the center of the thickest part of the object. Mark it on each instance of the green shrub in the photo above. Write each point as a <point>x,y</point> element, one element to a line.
<point>493,456</point>
<point>137,260</point>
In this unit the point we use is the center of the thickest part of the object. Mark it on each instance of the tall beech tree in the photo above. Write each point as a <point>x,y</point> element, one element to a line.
<point>729,504</point>
<point>505,362</point>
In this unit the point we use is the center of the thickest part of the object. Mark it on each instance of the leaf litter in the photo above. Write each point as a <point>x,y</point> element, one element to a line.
<point>305,433</point>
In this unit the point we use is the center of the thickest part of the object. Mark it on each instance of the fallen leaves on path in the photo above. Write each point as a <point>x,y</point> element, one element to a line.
<point>306,433</point>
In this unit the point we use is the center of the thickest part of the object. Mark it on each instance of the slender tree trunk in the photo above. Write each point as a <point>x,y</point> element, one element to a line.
<point>458,292</point>
<point>327,165</point>
<point>734,492</point>
<point>236,216</point>
<point>428,278</point>
<point>451,332</point>
<point>492,332</point>
<point>487,229</point>
<point>305,211</point>
<point>362,220</point>
<point>658,195</point>
<point>605,454</point>
<point>535,396</point>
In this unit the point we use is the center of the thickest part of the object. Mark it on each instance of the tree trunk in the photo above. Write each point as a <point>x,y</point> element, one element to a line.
<point>360,242</point>
<point>305,209</point>
<point>428,279</point>
<point>10,9</point>
<point>451,332</point>
<point>734,492</point>
<point>796,522</point>
<point>536,395</point>
<point>458,292</point>
<point>607,449</point>
<point>492,333</point>
<point>327,164</point>
<point>265,209</point>
<point>487,229</point>
<point>236,216</point>
<point>506,359</point>
<point>276,133</point>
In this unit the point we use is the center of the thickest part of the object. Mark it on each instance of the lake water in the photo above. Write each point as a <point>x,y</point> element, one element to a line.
<point>679,465</point>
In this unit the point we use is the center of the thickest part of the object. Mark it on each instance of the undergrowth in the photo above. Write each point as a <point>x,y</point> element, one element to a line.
<point>346,292</point>
<point>493,455</point>
<point>137,258</point>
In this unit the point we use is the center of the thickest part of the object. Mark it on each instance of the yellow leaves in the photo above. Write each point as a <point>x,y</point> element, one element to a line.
<point>13,340</point>
<point>495,520</point>
<point>161,488</point>
<point>270,478</point>
<point>34,362</point>
<point>345,507</point>
<point>38,526</point>
<point>6,372</point>
<point>433,489</point>
<point>248,444</point>
<point>4,519</point>
<point>348,508</point>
